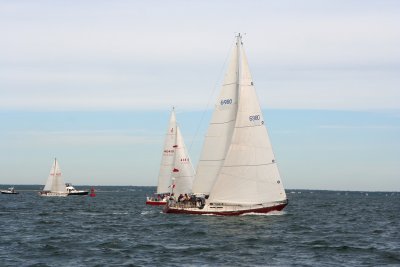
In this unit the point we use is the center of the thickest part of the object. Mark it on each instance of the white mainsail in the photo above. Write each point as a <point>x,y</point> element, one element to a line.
<point>183,171</point>
<point>168,157</point>
<point>55,182</point>
<point>220,130</point>
<point>249,174</point>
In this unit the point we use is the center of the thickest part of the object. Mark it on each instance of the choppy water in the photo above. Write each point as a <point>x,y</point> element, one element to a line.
<point>116,228</point>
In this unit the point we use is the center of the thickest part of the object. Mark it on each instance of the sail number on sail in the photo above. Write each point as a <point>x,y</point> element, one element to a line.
<point>226,102</point>
<point>254,117</point>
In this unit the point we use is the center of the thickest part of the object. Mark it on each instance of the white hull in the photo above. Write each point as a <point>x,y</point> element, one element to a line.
<point>52,194</point>
<point>10,191</point>
<point>155,201</point>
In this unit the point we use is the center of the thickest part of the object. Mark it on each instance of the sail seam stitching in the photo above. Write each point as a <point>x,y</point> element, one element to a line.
<point>252,165</point>
<point>216,123</point>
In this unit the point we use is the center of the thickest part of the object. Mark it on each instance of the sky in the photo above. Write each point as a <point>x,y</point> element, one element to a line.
<point>93,82</point>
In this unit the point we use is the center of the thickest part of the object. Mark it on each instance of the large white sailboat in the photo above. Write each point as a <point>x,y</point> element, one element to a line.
<point>237,172</point>
<point>55,185</point>
<point>176,170</point>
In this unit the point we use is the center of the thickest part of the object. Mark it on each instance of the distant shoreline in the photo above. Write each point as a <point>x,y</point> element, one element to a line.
<point>288,191</point>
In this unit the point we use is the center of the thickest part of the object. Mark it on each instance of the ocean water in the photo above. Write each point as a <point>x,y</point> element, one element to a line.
<point>116,228</point>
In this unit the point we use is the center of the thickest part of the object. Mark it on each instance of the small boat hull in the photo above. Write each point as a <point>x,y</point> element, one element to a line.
<point>227,210</point>
<point>9,193</point>
<point>52,194</point>
<point>78,193</point>
<point>156,203</point>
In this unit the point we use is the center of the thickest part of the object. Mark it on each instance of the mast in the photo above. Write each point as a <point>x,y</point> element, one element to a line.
<point>173,167</point>
<point>238,43</point>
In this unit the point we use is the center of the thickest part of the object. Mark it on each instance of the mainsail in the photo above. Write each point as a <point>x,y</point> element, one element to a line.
<point>55,181</point>
<point>220,130</point>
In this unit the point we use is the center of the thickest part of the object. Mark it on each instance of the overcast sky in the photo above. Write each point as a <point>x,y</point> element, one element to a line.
<point>71,70</point>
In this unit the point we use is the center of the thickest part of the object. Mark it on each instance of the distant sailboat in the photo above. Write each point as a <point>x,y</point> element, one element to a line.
<point>55,185</point>
<point>237,172</point>
<point>176,171</point>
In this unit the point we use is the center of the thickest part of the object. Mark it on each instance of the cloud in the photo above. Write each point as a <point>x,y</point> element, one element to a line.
<point>135,55</point>
<point>86,138</point>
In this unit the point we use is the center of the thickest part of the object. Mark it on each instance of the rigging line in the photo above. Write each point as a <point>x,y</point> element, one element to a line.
<point>210,97</point>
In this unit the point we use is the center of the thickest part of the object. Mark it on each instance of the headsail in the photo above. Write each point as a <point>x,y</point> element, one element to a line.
<point>220,130</point>
<point>184,172</point>
<point>167,160</point>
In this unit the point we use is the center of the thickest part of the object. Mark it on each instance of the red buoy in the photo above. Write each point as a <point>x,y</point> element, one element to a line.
<point>92,192</point>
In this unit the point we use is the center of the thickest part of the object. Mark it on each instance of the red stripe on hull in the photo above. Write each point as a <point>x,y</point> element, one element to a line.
<point>225,213</point>
<point>156,203</point>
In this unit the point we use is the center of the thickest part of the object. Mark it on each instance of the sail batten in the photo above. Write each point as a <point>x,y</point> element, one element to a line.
<point>224,122</point>
<point>242,165</point>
